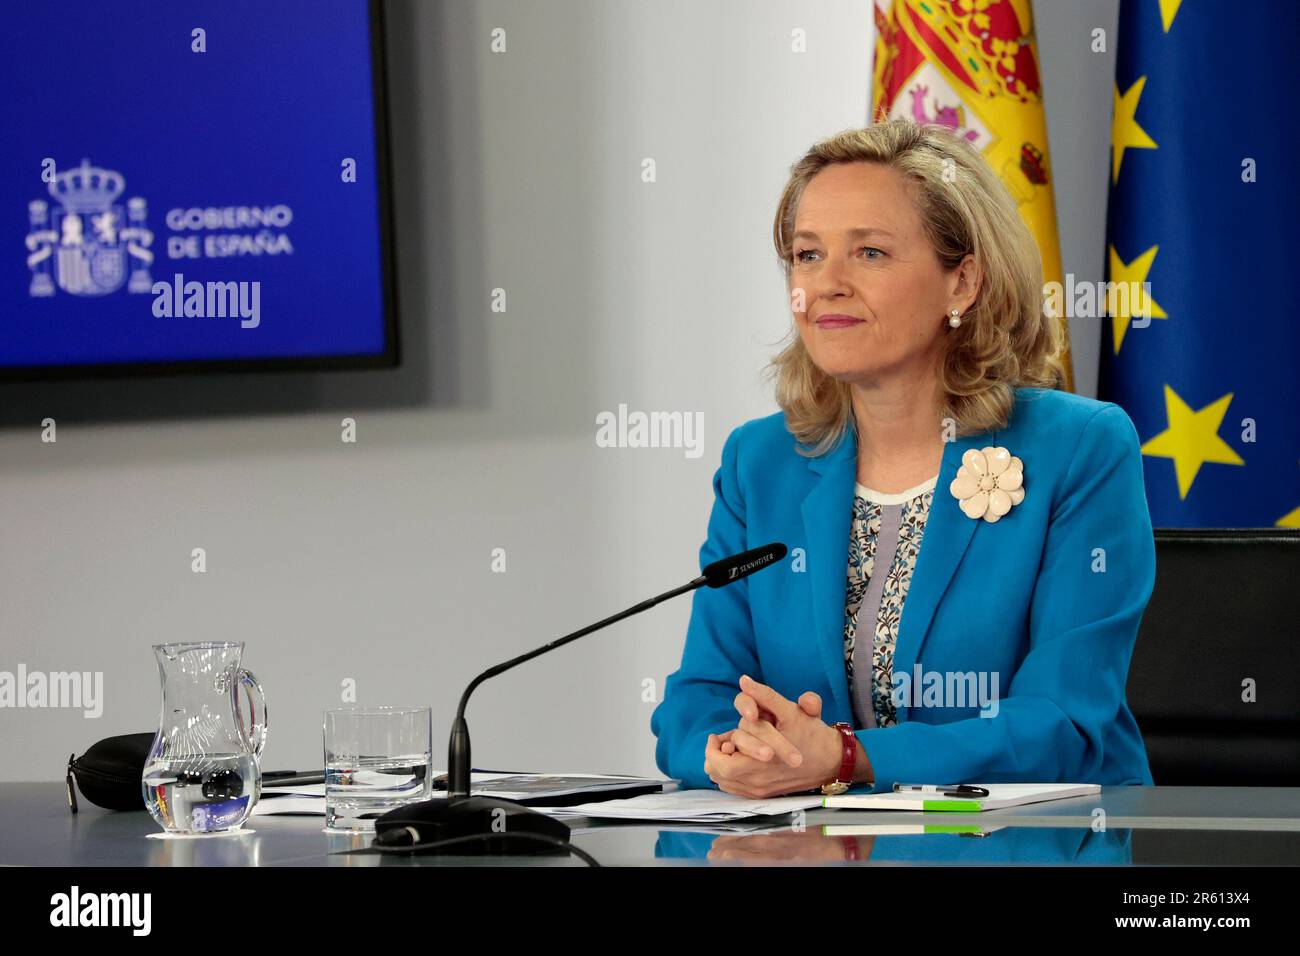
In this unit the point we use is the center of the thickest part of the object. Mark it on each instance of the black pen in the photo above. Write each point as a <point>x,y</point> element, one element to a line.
<point>948,790</point>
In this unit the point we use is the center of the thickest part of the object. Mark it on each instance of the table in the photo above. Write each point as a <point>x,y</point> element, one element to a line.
<point>1178,826</point>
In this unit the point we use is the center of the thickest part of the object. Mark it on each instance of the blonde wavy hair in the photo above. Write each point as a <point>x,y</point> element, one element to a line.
<point>1004,340</point>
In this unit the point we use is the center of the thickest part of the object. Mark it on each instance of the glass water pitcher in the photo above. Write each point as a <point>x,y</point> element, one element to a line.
<point>202,774</point>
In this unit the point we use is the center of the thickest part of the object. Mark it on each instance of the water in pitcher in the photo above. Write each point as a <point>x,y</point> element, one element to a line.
<point>204,794</point>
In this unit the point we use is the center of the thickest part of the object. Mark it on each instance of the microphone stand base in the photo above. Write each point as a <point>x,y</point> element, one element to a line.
<point>502,828</point>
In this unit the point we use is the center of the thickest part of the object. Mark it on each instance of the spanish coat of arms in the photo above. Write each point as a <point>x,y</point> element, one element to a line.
<point>86,244</point>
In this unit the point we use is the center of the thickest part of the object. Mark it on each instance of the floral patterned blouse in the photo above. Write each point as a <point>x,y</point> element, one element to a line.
<point>887,530</point>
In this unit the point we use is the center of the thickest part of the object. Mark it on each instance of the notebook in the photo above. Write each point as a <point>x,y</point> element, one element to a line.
<point>1000,795</point>
<point>906,829</point>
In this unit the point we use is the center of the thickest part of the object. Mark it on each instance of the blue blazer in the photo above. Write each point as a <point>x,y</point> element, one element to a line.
<point>1048,599</point>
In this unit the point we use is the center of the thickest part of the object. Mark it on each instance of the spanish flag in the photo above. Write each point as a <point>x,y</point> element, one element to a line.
<point>972,65</point>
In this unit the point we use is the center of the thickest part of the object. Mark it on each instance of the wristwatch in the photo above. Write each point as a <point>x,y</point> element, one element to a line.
<point>845,778</point>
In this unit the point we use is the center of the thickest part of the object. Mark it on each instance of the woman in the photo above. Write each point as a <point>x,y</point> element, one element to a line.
<point>970,548</point>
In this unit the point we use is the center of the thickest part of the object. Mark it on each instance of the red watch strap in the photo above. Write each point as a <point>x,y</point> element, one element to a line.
<point>850,758</point>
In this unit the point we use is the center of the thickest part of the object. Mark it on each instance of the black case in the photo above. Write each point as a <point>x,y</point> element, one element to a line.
<point>110,772</point>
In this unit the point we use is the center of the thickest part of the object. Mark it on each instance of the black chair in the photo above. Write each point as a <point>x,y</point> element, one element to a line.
<point>1225,609</point>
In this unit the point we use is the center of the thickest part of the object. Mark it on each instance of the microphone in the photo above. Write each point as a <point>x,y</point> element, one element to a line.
<point>470,824</point>
<point>742,565</point>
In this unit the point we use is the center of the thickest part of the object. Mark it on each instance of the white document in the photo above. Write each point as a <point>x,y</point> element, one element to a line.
<point>704,806</point>
<point>290,804</point>
<point>903,829</point>
<point>310,798</point>
<point>1000,795</point>
<point>318,789</point>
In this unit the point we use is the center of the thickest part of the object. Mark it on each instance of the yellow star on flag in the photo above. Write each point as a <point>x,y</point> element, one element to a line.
<point>1192,438</point>
<point>1168,10</point>
<point>1123,305</point>
<point>1125,133</point>
<point>1290,520</point>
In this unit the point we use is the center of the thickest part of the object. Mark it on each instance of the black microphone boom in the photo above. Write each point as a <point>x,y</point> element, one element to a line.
<point>460,815</point>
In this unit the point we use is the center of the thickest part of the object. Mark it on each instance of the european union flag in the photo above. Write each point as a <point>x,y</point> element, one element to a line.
<point>1204,206</point>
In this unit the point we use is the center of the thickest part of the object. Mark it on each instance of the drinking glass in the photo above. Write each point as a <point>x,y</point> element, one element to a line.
<point>376,759</point>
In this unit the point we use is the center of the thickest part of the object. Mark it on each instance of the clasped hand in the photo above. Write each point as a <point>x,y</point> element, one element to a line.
<point>779,746</point>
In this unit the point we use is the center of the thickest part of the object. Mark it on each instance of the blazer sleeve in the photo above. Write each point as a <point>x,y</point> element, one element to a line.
<point>1083,623</point>
<point>699,696</point>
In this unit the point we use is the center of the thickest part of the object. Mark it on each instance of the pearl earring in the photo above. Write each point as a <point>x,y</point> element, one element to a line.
<point>954,318</point>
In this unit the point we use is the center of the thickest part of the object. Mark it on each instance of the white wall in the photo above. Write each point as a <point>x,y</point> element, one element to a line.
<point>371,561</point>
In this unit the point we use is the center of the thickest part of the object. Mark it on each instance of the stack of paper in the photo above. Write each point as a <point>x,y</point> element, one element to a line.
<point>716,806</point>
<point>1001,795</point>
<point>702,806</point>
<point>310,798</point>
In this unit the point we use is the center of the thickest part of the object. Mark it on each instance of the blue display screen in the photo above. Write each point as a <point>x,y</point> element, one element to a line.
<point>190,183</point>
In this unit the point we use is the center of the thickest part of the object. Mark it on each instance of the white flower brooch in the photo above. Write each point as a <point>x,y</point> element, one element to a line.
<point>989,481</point>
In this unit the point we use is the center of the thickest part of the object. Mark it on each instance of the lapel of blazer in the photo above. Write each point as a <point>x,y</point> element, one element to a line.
<point>828,520</point>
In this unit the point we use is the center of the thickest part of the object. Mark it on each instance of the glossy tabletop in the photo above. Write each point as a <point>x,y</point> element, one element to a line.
<point>1199,826</point>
